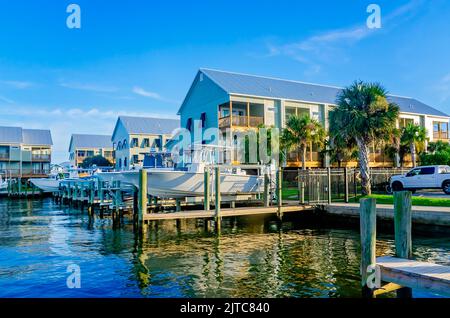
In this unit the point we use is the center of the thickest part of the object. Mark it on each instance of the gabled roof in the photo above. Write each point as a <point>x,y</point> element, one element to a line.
<point>37,137</point>
<point>259,86</point>
<point>90,141</point>
<point>148,125</point>
<point>11,135</point>
<point>32,137</point>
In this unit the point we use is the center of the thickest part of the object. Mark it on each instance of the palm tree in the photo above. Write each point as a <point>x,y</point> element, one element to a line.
<point>393,148</point>
<point>364,113</point>
<point>414,136</point>
<point>301,131</point>
<point>341,148</point>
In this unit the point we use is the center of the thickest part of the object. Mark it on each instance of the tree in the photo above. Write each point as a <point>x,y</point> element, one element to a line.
<point>364,113</point>
<point>340,148</point>
<point>393,149</point>
<point>414,136</point>
<point>301,131</point>
<point>438,146</point>
<point>98,161</point>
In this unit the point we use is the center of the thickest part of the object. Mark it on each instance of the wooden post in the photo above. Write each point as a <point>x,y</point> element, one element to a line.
<point>368,223</point>
<point>279,190</point>
<point>355,185</point>
<point>206,188</point>
<point>346,184</point>
<point>142,196</point>
<point>266,190</point>
<point>177,205</point>
<point>329,184</point>
<point>135,206</point>
<point>218,198</point>
<point>402,225</point>
<point>301,185</point>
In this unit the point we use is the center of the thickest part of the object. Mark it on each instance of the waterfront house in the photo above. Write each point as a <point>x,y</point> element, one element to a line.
<point>241,102</point>
<point>133,137</point>
<point>25,153</point>
<point>84,146</point>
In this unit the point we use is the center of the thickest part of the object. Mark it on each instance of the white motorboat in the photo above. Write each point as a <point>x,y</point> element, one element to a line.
<point>47,185</point>
<point>3,184</point>
<point>178,184</point>
<point>51,184</point>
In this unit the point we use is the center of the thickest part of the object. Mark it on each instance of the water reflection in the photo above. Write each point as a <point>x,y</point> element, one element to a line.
<point>251,257</point>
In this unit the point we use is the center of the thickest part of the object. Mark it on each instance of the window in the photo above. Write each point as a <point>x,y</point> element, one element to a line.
<point>225,112</point>
<point>125,162</point>
<point>135,158</point>
<point>119,146</point>
<point>413,172</point>
<point>427,170</point>
<point>440,130</point>
<point>120,163</point>
<point>134,143</point>
<point>146,143</point>
<point>189,124</point>
<point>203,119</point>
<point>90,153</point>
<point>403,122</point>
<point>444,169</point>
<point>125,144</point>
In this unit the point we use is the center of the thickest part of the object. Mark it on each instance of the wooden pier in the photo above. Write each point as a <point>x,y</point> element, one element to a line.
<point>117,200</point>
<point>228,212</point>
<point>400,273</point>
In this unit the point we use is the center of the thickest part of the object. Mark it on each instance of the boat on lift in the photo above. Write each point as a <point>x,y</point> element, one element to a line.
<point>188,181</point>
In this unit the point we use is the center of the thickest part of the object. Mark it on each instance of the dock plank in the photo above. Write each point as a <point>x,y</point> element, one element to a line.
<point>246,211</point>
<point>430,277</point>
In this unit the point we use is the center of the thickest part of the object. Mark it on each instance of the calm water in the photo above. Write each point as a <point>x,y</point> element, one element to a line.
<point>252,257</point>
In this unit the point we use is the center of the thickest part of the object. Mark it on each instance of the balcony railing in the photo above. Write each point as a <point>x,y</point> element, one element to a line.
<point>25,172</point>
<point>440,135</point>
<point>39,157</point>
<point>240,121</point>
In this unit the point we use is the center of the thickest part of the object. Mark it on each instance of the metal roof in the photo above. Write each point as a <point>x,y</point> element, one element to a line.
<point>37,137</point>
<point>11,135</point>
<point>243,84</point>
<point>90,141</point>
<point>149,125</point>
<point>17,135</point>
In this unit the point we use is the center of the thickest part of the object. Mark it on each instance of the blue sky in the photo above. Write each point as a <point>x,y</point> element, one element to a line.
<point>140,57</point>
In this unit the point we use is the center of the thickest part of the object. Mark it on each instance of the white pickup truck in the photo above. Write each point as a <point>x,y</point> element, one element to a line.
<point>425,177</point>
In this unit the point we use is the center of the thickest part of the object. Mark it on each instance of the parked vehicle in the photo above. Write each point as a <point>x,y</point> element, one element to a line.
<point>424,177</point>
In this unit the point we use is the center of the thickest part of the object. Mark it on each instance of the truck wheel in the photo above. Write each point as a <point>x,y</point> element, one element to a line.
<point>446,187</point>
<point>397,186</point>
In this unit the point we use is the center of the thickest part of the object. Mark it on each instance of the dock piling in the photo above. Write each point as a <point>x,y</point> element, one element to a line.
<point>279,191</point>
<point>207,194</point>
<point>142,196</point>
<point>402,225</point>
<point>266,190</point>
<point>217,216</point>
<point>346,184</point>
<point>368,221</point>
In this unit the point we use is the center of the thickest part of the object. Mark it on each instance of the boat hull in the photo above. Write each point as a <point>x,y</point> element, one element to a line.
<point>46,185</point>
<point>182,184</point>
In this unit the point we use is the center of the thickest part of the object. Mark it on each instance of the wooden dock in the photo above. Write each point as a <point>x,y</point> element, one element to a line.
<point>413,274</point>
<point>245,211</point>
<point>401,273</point>
<point>427,215</point>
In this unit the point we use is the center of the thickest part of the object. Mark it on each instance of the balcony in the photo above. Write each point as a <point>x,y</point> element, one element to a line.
<point>40,157</point>
<point>240,121</point>
<point>4,156</point>
<point>440,135</point>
